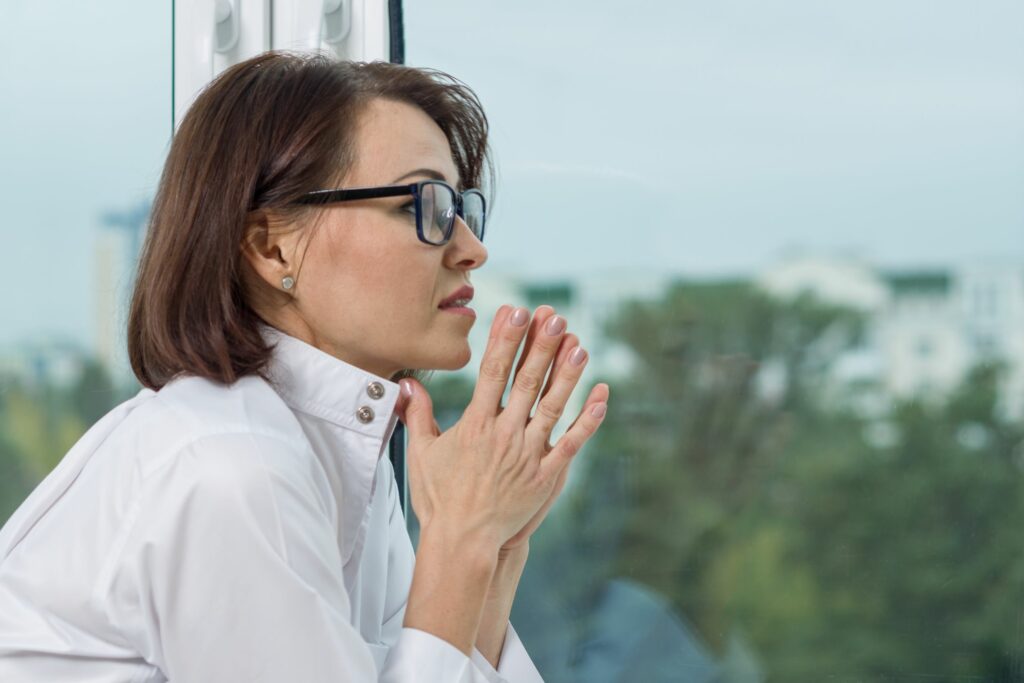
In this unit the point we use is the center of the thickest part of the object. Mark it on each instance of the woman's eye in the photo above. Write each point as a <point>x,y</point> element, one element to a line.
<point>409,208</point>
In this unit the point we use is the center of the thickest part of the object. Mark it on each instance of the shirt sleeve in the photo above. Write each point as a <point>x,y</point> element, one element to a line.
<point>514,663</point>
<point>414,645</point>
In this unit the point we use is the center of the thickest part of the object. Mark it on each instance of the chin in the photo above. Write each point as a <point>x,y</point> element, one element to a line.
<point>454,359</point>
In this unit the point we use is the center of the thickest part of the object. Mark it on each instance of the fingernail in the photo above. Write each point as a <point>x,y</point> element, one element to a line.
<point>555,326</point>
<point>519,317</point>
<point>577,356</point>
<point>599,409</point>
<point>406,388</point>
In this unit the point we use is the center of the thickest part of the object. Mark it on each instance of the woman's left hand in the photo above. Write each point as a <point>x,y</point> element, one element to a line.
<point>561,380</point>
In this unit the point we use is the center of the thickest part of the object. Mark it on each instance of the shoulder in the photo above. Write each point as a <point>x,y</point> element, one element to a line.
<point>223,448</point>
<point>222,430</point>
<point>191,409</point>
<point>248,472</point>
<point>202,407</point>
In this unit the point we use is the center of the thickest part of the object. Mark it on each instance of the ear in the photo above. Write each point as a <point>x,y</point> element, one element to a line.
<point>270,247</point>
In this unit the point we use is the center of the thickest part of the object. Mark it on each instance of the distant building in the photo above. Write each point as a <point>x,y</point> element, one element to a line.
<point>926,328</point>
<point>116,256</point>
<point>843,281</point>
<point>918,335</point>
<point>42,361</point>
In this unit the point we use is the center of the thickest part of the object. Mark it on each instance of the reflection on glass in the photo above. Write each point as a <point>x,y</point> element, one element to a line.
<point>789,237</point>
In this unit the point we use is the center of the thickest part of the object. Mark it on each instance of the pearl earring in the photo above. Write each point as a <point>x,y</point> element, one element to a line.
<point>287,282</point>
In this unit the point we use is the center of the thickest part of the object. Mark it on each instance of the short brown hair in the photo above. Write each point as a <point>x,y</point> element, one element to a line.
<point>259,135</point>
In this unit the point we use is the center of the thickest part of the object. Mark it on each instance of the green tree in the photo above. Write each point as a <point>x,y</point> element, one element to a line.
<point>673,482</point>
<point>39,423</point>
<point>764,505</point>
<point>92,394</point>
<point>914,546</point>
<point>702,432</point>
<point>15,481</point>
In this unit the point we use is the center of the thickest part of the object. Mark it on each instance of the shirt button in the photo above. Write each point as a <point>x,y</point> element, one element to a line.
<point>365,414</point>
<point>375,389</point>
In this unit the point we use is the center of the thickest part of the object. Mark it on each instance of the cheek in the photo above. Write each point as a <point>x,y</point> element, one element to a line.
<point>369,282</point>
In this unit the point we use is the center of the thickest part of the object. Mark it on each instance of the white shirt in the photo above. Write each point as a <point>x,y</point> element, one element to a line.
<point>207,532</point>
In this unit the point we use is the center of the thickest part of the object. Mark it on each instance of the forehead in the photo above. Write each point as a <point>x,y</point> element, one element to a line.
<point>395,138</point>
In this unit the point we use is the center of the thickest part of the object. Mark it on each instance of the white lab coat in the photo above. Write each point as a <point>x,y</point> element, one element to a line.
<point>211,533</point>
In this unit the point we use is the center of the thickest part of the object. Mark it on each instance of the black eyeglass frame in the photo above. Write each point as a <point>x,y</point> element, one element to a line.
<point>416,190</point>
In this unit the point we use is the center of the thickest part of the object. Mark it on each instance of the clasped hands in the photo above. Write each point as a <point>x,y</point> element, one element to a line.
<point>493,474</point>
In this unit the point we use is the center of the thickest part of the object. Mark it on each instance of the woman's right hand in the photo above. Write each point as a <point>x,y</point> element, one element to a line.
<point>493,470</point>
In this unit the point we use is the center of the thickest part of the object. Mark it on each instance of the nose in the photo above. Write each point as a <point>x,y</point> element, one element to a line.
<point>464,250</point>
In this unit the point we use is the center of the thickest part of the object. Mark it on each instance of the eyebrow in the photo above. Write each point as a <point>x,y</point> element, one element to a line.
<point>429,172</point>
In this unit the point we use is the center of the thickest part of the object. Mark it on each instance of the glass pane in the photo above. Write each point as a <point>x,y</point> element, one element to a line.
<point>789,234</point>
<point>84,127</point>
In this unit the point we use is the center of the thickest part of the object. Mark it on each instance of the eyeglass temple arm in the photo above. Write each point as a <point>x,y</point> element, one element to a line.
<point>325,196</point>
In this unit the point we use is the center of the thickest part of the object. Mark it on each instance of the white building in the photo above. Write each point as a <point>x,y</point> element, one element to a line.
<point>843,281</point>
<point>990,299</point>
<point>43,360</point>
<point>927,328</point>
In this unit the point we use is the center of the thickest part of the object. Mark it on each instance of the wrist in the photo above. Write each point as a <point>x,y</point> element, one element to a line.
<point>516,555</point>
<point>474,546</point>
<point>507,572</point>
<point>501,593</point>
<point>453,571</point>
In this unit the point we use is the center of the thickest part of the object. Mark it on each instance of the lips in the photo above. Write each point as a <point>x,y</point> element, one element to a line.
<point>464,293</point>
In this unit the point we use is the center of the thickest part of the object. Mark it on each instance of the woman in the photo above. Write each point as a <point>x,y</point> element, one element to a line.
<point>236,521</point>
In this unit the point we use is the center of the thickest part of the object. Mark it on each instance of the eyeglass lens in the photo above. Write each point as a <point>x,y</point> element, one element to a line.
<point>437,203</point>
<point>473,213</point>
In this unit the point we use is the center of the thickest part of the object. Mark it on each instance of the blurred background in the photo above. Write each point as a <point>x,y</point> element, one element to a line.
<point>790,234</point>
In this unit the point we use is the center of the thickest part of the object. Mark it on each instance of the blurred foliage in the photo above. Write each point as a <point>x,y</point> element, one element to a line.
<point>40,422</point>
<point>760,508</point>
<point>450,394</point>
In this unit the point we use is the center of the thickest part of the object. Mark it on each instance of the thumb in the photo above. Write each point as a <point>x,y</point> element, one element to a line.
<point>416,409</point>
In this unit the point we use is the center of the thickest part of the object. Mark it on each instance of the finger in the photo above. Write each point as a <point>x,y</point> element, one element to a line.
<point>500,318</point>
<point>540,316</point>
<point>528,381</point>
<point>599,394</point>
<point>577,435</point>
<point>564,378</point>
<point>496,364</point>
<point>417,410</point>
<point>568,342</point>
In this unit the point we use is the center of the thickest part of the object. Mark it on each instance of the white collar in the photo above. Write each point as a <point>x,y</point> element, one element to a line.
<point>319,384</point>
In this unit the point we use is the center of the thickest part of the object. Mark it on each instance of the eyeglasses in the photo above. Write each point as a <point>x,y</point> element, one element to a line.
<point>435,199</point>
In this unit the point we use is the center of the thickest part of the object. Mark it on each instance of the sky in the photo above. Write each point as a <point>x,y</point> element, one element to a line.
<point>713,136</point>
<point>691,137</point>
